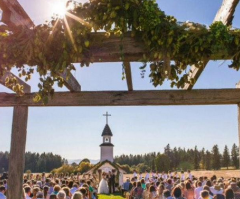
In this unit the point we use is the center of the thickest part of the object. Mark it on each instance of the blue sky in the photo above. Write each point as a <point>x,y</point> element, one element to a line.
<point>75,132</point>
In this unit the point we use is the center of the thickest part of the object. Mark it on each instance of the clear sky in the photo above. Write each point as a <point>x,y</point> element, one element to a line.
<point>76,132</point>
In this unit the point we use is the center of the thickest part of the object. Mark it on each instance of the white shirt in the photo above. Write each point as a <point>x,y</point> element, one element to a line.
<point>2,196</point>
<point>147,177</point>
<point>190,176</point>
<point>182,177</point>
<point>197,192</point>
<point>134,174</point>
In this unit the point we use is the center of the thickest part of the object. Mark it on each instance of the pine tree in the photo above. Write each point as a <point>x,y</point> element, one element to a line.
<point>226,157</point>
<point>196,159</point>
<point>234,154</point>
<point>216,158</point>
<point>207,160</point>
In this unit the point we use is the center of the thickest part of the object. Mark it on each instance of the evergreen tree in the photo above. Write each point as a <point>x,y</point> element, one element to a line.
<point>207,158</point>
<point>226,157</point>
<point>196,159</point>
<point>234,154</point>
<point>162,163</point>
<point>216,158</point>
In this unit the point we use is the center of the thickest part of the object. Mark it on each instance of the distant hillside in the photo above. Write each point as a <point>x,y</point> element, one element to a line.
<point>79,160</point>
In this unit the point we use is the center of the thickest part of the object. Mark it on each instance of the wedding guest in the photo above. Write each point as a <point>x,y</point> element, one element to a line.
<point>2,192</point>
<point>229,194</point>
<point>138,191</point>
<point>198,190</point>
<point>189,191</point>
<point>153,193</point>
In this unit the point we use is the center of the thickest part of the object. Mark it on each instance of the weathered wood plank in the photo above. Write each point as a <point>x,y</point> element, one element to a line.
<point>126,98</point>
<point>17,152</point>
<point>14,15</point>
<point>26,87</point>
<point>226,12</point>
<point>128,73</point>
<point>238,106</point>
<point>70,82</point>
<point>225,15</point>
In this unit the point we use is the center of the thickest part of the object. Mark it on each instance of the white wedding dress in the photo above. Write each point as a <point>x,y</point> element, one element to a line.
<point>103,187</point>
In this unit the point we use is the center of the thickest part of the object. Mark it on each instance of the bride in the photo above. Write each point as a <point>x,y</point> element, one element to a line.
<point>103,185</point>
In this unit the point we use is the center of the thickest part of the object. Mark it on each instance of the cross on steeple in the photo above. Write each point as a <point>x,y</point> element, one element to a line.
<point>106,117</point>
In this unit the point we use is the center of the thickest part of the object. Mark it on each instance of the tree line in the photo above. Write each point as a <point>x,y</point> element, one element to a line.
<point>35,162</point>
<point>181,159</point>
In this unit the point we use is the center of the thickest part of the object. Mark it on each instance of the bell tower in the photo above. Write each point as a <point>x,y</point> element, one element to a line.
<point>107,146</point>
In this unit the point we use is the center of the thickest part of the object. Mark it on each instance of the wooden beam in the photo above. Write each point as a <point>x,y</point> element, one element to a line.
<point>26,87</point>
<point>14,15</point>
<point>225,15</point>
<point>128,73</point>
<point>226,12</point>
<point>126,98</point>
<point>70,82</point>
<point>17,152</point>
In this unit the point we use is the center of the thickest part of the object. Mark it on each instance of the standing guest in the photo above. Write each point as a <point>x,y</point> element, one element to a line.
<point>134,173</point>
<point>198,190</point>
<point>147,176</point>
<point>177,193</point>
<point>126,186</point>
<point>176,175</point>
<point>28,192</point>
<point>2,192</point>
<point>229,194</point>
<point>138,191</point>
<point>153,193</point>
<point>61,195</point>
<point>190,175</point>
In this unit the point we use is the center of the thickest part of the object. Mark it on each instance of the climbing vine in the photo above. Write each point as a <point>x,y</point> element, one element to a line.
<point>50,49</point>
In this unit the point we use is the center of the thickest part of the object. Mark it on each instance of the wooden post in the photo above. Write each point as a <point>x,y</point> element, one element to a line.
<point>17,152</point>
<point>239,132</point>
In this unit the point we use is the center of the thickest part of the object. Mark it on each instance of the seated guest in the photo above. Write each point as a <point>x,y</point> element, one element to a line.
<point>126,186</point>
<point>167,194</point>
<point>61,195</point>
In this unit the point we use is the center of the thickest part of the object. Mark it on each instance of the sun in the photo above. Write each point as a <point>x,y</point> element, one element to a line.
<point>60,8</point>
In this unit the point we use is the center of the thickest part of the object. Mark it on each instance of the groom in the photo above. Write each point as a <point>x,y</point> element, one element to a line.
<point>111,182</point>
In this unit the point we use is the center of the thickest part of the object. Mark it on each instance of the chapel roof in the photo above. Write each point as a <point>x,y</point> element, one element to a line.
<point>107,131</point>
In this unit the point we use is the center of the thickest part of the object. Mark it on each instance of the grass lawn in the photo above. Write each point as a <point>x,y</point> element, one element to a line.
<point>112,196</point>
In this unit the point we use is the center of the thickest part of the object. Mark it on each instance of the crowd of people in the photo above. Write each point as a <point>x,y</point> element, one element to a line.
<point>61,186</point>
<point>173,185</point>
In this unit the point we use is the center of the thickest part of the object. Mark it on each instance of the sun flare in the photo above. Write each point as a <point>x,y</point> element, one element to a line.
<point>60,7</point>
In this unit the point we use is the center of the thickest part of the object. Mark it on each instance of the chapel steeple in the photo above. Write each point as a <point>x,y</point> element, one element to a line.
<point>106,146</point>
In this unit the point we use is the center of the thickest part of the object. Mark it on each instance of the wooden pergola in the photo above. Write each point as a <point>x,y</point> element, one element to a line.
<point>104,50</point>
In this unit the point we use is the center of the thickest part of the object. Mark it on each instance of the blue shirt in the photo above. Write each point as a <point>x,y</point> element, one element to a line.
<point>2,196</point>
<point>126,186</point>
